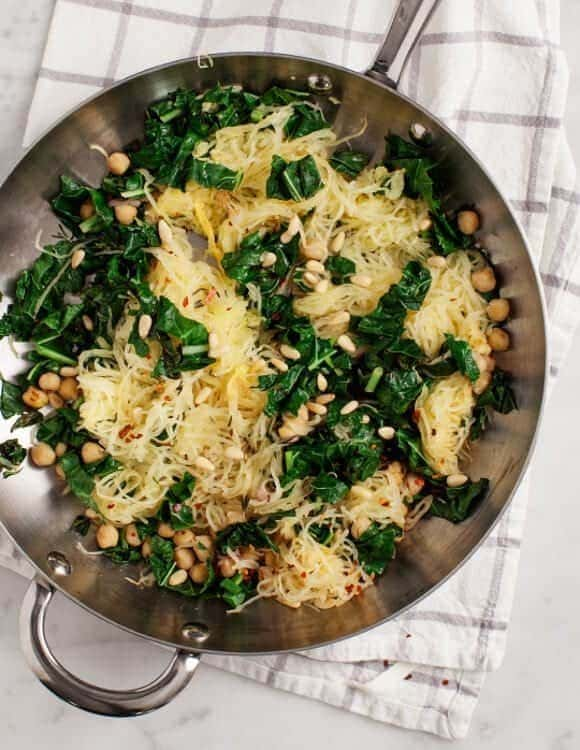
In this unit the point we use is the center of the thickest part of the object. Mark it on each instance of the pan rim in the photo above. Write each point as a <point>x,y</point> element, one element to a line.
<point>543,308</point>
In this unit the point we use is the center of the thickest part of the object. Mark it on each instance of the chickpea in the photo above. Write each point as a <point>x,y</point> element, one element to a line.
<point>499,340</point>
<point>91,453</point>
<point>34,397</point>
<point>69,389</point>
<point>483,279</point>
<point>203,547</point>
<point>468,222</point>
<point>227,567</point>
<point>498,310</point>
<point>118,163</point>
<point>132,536</point>
<point>55,400</point>
<point>184,558</point>
<point>125,213</point>
<point>60,449</point>
<point>49,381</point>
<point>183,538</point>
<point>146,549</point>
<point>42,454</point>
<point>107,536</point>
<point>198,573</point>
<point>165,530</point>
<point>87,210</point>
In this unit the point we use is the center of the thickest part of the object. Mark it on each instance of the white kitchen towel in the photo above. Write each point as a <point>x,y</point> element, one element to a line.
<point>495,73</point>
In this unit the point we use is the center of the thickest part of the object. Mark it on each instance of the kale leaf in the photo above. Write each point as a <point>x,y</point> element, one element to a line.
<point>12,454</point>
<point>376,547</point>
<point>328,488</point>
<point>349,163</point>
<point>463,356</point>
<point>11,400</point>
<point>459,502</point>
<point>209,174</point>
<point>242,535</point>
<point>174,508</point>
<point>295,180</point>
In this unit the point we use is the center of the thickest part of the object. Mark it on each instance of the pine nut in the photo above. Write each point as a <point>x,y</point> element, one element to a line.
<point>322,286</point>
<point>279,364</point>
<point>286,433</point>
<point>132,536</point>
<point>268,259</point>
<point>293,228</point>
<point>311,279</point>
<point>289,352</point>
<point>321,382</point>
<point>59,471</point>
<point>235,453</point>
<point>317,408</point>
<point>365,419</point>
<point>338,242</point>
<point>425,225</point>
<point>88,323</point>
<point>177,578</point>
<point>359,526</point>
<point>315,251</point>
<point>145,323</point>
<point>386,433</point>
<point>298,426</point>
<point>437,261</point>
<point>456,480</point>
<point>204,463</point>
<point>68,372</point>
<point>315,266</point>
<point>302,413</point>
<point>362,280</point>
<point>60,449</point>
<point>203,395</point>
<point>325,398</point>
<point>360,492</point>
<point>349,408</point>
<point>77,258</point>
<point>346,343</point>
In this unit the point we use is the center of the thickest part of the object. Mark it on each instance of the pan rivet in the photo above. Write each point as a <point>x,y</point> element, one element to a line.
<point>419,133</point>
<point>58,563</point>
<point>195,631</point>
<point>319,83</point>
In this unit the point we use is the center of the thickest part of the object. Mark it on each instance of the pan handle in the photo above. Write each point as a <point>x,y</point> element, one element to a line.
<point>407,25</point>
<point>75,691</point>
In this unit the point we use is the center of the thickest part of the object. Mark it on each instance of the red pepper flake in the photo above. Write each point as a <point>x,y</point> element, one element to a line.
<point>408,635</point>
<point>416,415</point>
<point>386,664</point>
<point>210,295</point>
<point>185,302</point>
<point>110,506</point>
<point>137,436</point>
<point>349,588</point>
<point>409,676</point>
<point>303,574</point>
<point>445,682</point>
<point>167,398</point>
<point>125,431</point>
<point>358,590</point>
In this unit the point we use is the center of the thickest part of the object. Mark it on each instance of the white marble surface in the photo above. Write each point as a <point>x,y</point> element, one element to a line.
<point>530,702</point>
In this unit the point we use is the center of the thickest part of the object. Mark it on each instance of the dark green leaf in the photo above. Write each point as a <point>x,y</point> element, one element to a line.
<point>12,454</point>
<point>458,503</point>
<point>80,482</point>
<point>376,547</point>
<point>242,535</point>
<point>295,180</point>
<point>234,591</point>
<point>398,391</point>
<point>463,356</point>
<point>213,175</point>
<point>11,400</point>
<point>175,509</point>
<point>340,269</point>
<point>26,419</point>
<point>81,525</point>
<point>350,163</point>
<point>499,396</point>
<point>304,119</point>
<point>328,488</point>
<point>161,559</point>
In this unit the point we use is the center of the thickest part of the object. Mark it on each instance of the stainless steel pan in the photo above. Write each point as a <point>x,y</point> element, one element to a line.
<point>38,519</point>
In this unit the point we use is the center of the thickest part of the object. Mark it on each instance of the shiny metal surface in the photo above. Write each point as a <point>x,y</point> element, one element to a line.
<point>409,19</point>
<point>78,693</point>
<point>38,518</point>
